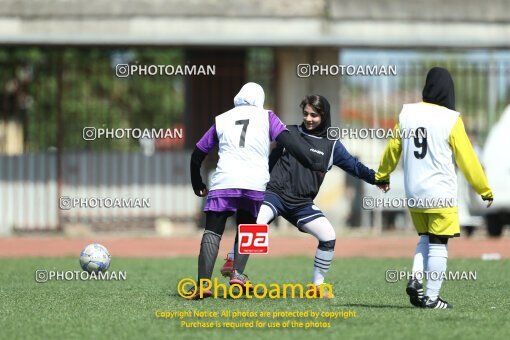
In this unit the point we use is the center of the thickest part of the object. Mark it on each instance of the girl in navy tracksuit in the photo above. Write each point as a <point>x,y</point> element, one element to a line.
<point>292,187</point>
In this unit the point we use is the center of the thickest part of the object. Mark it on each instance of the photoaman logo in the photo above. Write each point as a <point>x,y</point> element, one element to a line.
<point>187,288</point>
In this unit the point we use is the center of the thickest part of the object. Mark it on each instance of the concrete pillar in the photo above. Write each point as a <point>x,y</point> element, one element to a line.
<point>208,96</point>
<point>11,137</point>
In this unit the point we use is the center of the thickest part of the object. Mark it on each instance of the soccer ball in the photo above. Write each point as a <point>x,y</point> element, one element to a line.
<point>95,258</point>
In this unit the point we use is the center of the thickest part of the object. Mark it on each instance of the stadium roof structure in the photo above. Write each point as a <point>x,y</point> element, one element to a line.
<point>341,23</point>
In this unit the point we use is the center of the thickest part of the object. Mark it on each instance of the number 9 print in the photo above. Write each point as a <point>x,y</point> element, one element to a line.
<point>420,141</point>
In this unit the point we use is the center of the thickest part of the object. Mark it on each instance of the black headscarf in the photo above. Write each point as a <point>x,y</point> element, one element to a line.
<point>439,89</point>
<point>322,107</point>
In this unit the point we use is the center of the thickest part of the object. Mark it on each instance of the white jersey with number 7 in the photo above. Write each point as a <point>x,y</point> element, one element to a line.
<point>243,135</point>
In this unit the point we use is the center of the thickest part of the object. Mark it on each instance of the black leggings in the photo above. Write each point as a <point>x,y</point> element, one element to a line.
<point>215,221</point>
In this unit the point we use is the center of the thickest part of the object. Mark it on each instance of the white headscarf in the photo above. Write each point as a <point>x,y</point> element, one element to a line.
<point>250,94</point>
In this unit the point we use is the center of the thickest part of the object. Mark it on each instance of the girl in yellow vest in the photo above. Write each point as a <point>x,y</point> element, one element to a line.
<point>437,142</point>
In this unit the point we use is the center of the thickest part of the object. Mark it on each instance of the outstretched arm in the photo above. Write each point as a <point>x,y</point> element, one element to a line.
<point>294,144</point>
<point>468,162</point>
<point>274,156</point>
<point>301,151</point>
<point>343,159</point>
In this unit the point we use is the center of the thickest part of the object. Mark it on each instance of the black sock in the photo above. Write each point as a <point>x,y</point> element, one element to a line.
<point>208,254</point>
<point>240,260</point>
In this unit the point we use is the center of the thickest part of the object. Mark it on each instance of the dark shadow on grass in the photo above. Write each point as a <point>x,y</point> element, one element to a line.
<point>345,305</point>
<point>221,295</point>
<point>373,306</point>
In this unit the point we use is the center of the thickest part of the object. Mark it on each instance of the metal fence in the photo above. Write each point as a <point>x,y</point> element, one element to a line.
<point>34,198</point>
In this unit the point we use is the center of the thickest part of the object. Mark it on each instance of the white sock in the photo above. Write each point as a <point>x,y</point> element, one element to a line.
<point>438,256</point>
<point>321,265</point>
<point>421,258</point>
<point>322,229</point>
<point>264,217</point>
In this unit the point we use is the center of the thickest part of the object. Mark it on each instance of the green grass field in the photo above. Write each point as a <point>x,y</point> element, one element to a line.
<point>126,309</point>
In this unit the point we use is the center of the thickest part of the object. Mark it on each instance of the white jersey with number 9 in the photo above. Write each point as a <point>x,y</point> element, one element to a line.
<point>429,167</point>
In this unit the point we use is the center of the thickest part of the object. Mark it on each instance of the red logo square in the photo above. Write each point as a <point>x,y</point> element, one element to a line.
<point>253,239</point>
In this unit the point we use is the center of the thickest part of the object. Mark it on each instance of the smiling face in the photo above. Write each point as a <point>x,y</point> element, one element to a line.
<point>311,118</point>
